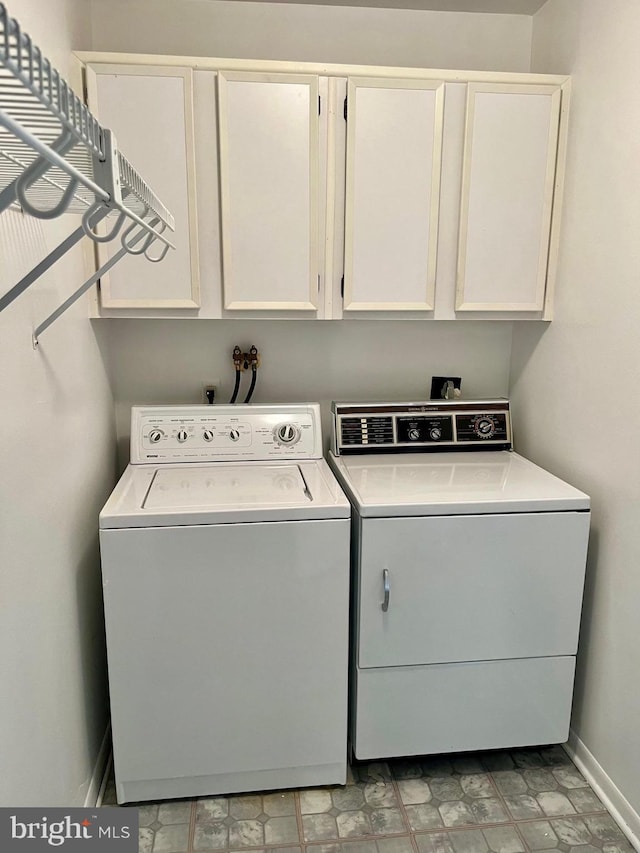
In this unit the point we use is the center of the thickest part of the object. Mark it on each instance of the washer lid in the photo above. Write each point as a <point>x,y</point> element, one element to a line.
<point>452,484</point>
<point>227,485</point>
<point>222,493</point>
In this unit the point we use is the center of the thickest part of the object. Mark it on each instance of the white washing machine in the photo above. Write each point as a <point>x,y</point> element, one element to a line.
<point>225,561</point>
<point>467,579</point>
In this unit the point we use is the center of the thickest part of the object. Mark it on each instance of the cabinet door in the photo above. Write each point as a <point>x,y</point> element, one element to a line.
<point>473,587</point>
<point>269,168</point>
<point>150,110</point>
<point>511,139</point>
<point>394,142</point>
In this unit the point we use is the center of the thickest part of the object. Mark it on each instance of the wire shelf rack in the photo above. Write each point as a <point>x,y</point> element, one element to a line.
<point>56,158</point>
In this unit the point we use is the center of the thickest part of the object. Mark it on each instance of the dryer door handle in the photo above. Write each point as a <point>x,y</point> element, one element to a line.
<point>386,588</point>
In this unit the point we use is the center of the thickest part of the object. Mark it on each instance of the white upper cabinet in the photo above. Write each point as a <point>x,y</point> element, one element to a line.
<point>394,148</point>
<point>271,205</point>
<point>509,172</point>
<point>334,191</point>
<point>150,109</point>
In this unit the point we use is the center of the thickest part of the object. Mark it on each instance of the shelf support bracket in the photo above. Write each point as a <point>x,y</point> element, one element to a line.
<point>125,250</point>
<point>49,261</point>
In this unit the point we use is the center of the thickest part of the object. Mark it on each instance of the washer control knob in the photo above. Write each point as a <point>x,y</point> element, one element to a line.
<point>287,434</point>
<point>182,436</point>
<point>155,435</point>
<point>207,434</point>
<point>414,434</point>
<point>435,434</point>
<point>234,435</point>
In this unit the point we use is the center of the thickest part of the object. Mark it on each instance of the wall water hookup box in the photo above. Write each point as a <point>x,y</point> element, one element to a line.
<point>439,386</point>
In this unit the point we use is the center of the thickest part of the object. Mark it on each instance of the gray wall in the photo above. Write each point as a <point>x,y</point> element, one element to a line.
<point>575,385</point>
<point>57,464</point>
<point>313,33</point>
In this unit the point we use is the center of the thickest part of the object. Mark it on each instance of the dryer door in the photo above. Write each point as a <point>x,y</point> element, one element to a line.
<point>470,588</point>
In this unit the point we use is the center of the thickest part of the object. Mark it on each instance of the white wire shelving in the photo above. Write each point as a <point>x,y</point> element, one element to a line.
<point>56,158</point>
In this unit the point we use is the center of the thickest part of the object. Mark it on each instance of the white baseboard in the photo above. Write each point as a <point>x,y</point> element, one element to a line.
<point>96,783</point>
<point>617,804</point>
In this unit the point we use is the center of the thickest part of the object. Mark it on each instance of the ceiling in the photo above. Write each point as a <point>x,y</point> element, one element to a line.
<point>512,7</point>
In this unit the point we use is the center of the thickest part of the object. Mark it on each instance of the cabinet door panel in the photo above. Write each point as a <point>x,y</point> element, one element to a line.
<point>269,142</point>
<point>511,139</point>
<point>394,140</point>
<point>150,110</point>
<point>465,588</point>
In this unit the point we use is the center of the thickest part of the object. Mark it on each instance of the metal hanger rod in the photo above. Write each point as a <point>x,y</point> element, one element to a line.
<point>88,283</point>
<point>48,262</point>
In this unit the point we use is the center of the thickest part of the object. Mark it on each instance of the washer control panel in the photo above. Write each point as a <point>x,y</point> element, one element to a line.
<point>224,433</point>
<point>432,425</point>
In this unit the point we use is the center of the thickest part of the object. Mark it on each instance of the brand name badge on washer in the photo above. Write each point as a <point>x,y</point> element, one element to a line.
<point>105,830</point>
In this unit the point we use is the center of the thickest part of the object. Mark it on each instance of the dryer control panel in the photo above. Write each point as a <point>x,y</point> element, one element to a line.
<point>225,433</point>
<point>432,425</point>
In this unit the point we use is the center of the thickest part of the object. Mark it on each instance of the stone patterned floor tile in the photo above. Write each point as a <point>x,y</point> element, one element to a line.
<point>497,759</point>
<point>287,849</point>
<point>604,828</point>
<point>380,794</point>
<point>498,839</point>
<point>475,813</point>
<point>246,833</point>
<point>539,835</point>
<point>353,824</point>
<point>423,816</point>
<point>503,839</point>
<point>540,786</point>
<point>434,842</point>
<point>405,768</point>
<point>178,811</point>
<point>371,771</point>
<point>364,808</point>
<point>245,808</point>
<point>451,765</point>
<point>145,840</point>
<point>243,821</point>
<point>414,791</point>
<point>373,845</point>
<point>279,804</point>
<point>281,830</point>
<point>555,803</point>
<point>503,801</point>
<point>523,807</point>
<point>387,821</point>
<point>147,815</point>
<point>171,839</point>
<point>319,827</point>
<point>210,836</point>
<point>576,835</point>
<point>393,845</point>
<point>584,800</point>
<point>315,801</point>
<point>456,813</point>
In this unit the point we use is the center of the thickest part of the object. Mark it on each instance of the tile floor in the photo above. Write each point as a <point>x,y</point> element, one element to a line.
<point>492,802</point>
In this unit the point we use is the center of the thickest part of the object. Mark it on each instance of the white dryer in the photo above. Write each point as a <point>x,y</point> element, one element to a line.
<point>467,579</point>
<point>225,561</point>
